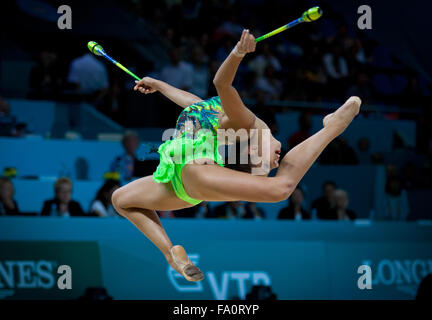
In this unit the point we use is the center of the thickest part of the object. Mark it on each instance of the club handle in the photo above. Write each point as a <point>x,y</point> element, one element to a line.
<point>278,30</point>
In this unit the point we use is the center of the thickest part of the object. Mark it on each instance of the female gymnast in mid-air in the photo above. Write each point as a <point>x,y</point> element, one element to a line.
<point>203,175</point>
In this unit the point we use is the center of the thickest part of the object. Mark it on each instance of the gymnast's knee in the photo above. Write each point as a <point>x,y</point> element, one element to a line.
<point>118,202</point>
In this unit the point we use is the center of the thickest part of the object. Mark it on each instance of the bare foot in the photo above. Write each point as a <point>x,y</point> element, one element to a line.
<point>187,268</point>
<point>342,117</point>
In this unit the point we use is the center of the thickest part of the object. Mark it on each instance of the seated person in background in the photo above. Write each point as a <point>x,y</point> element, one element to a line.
<point>8,124</point>
<point>8,206</point>
<point>203,210</point>
<point>101,206</point>
<point>62,205</point>
<point>363,151</point>
<point>303,132</point>
<point>229,210</point>
<point>178,73</point>
<point>395,206</point>
<point>338,152</point>
<point>253,212</point>
<point>340,210</point>
<point>295,209</point>
<point>323,204</point>
<point>127,164</point>
<point>45,79</point>
<point>89,76</point>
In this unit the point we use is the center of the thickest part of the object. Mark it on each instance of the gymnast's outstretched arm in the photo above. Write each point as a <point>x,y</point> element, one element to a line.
<point>239,115</point>
<point>182,98</point>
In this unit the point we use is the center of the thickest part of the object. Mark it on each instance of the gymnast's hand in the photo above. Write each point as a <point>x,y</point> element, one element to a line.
<point>245,45</point>
<point>146,85</point>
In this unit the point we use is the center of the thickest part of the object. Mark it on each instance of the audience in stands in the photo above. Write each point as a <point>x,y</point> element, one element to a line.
<point>45,78</point>
<point>202,210</point>
<point>101,206</point>
<point>363,151</point>
<point>340,210</point>
<point>200,73</point>
<point>264,59</point>
<point>9,126</point>
<point>322,206</point>
<point>62,204</point>
<point>338,152</point>
<point>361,88</point>
<point>236,210</point>
<point>8,205</point>
<point>228,210</point>
<point>186,212</point>
<point>295,209</point>
<point>303,132</point>
<point>336,68</point>
<point>127,164</point>
<point>178,73</point>
<point>269,84</point>
<point>395,203</point>
<point>253,212</point>
<point>89,76</point>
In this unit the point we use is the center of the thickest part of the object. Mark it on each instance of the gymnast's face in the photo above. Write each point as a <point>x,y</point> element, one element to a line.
<point>275,150</point>
<point>265,156</point>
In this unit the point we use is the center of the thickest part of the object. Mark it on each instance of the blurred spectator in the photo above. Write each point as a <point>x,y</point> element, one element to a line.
<point>348,155</point>
<point>336,68</point>
<point>45,79</point>
<point>224,50</point>
<point>203,210</point>
<point>295,209</point>
<point>229,210</point>
<point>62,205</point>
<point>303,132</point>
<point>361,88</point>
<point>230,26</point>
<point>127,164</point>
<point>263,60</point>
<point>178,73</point>
<point>335,64</point>
<point>411,96</point>
<point>323,204</point>
<point>247,87</point>
<point>101,205</point>
<point>253,212</point>
<point>311,76</point>
<point>265,112</point>
<point>395,203</point>
<point>200,73</point>
<point>8,205</point>
<point>338,152</point>
<point>363,151</point>
<point>340,209</point>
<point>90,77</point>
<point>8,124</point>
<point>185,213</point>
<point>269,84</point>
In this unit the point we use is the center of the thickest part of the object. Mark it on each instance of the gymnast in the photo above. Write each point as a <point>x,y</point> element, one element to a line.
<point>192,170</point>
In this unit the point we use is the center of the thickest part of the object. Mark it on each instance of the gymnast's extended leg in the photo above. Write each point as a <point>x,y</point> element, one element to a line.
<point>214,183</point>
<point>137,201</point>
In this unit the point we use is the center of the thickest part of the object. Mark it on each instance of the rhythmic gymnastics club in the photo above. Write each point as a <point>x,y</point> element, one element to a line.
<point>310,15</point>
<point>97,49</point>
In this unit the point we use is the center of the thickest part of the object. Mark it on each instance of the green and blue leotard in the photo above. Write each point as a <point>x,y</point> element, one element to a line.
<point>195,137</point>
